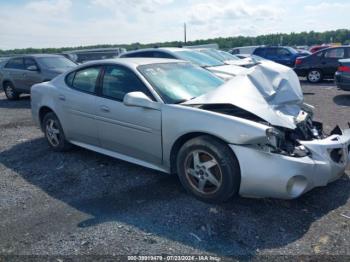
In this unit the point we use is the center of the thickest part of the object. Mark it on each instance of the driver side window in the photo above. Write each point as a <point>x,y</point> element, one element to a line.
<point>118,81</point>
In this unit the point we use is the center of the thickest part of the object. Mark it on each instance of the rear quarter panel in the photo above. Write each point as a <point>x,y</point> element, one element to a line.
<point>45,95</point>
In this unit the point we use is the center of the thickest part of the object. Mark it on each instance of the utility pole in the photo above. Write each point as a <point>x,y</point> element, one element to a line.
<point>185,33</point>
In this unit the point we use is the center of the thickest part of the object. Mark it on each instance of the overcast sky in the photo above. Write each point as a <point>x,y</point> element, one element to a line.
<point>59,23</point>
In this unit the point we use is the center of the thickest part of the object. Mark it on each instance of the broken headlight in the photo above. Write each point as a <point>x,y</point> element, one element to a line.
<point>272,136</point>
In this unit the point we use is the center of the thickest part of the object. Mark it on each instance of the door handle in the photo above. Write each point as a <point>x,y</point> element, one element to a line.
<point>62,97</point>
<point>105,108</point>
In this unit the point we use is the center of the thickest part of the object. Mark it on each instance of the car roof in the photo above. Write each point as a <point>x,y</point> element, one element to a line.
<point>330,48</point>
<point>134,61</point>
<point>168,49</point>
<point>93,50</point>
<point>35,55</point>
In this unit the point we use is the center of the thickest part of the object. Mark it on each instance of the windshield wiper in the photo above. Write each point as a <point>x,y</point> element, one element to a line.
<point>184,100</point>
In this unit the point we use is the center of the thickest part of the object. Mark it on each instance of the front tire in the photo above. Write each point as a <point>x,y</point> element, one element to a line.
<point>10,91</point>
<point>208,169</point>
<point>54,133</point>
<point>314,76</point>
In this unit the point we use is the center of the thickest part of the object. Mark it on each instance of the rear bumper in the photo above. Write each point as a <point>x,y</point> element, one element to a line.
<point>265,174</point>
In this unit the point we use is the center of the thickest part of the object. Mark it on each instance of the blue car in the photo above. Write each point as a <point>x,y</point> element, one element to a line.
<point>280,54</point>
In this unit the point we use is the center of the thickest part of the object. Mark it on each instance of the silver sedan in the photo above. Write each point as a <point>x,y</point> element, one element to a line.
<point>252,135</point>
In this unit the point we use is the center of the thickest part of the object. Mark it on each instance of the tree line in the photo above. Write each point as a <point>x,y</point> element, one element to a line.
<point>225,43</point>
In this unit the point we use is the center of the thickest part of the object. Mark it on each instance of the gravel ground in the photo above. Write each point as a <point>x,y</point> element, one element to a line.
<point>80,202</point>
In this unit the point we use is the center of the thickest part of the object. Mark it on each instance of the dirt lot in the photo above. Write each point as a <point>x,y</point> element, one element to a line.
<point>85,203</point>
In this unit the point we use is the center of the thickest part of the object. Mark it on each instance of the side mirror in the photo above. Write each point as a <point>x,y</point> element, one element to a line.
<point>139,99</point>
<point>32,68</point>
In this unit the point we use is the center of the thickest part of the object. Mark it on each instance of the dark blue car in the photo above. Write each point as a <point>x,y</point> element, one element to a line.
<point>280,54</point>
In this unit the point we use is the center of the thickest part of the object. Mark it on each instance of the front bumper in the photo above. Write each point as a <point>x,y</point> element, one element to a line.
<point>265,174</point>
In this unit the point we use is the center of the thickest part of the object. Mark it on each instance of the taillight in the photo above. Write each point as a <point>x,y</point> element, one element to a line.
<point>344,69</point>
<point>298,61</point>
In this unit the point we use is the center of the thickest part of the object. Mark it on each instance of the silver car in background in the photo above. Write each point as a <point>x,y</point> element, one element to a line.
<point>252,135</point>
<point>19,73</point>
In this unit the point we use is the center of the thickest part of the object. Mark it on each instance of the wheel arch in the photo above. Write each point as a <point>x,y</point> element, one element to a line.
<point>42,112</point>
<point>180,141</point>
<point>6,81</point>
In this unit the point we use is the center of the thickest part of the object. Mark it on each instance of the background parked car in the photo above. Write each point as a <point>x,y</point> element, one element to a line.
<point>280,54</point>
<point>342,76</point>
<point>2,59</point>
<point>226,57</point>
<point>243,50</point>
<point>316,48</point>
<point>195,57</point>
<point>85,55</point>
<point>322,64</point>
<point>19,73</point>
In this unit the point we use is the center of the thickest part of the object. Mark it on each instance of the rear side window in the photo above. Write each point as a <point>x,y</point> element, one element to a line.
<point>29,62</point>
<point>15,63</point>
<point>118,81</point>
<point>335,53</point>
<point>84,80</point>
<point>283,52</point>
<point>271,51</point>
<point>69,79</point>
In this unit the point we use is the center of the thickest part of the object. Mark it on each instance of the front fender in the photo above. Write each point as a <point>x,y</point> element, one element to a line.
<point>179,120</point>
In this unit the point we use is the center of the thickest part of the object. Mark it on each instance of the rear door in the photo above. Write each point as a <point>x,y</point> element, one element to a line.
<point>14,71</point>
<point>330,60</point>
<point>271,54</point>
<point>78,102</point>
<point>284,57</point>
<point>131,131</point>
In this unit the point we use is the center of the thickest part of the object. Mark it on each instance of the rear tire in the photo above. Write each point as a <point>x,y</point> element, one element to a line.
<point>314,76</point>
<point>10,91</point>
<point>54,133</point>
<point>208,169</point>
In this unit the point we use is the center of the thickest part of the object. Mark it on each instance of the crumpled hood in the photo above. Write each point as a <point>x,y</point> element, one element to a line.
<point>268,90</point>
<point>240,62</point>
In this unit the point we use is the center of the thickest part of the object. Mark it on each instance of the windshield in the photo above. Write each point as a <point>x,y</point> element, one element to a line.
<point>228,56</point>
<point>56,62</point>
<point>179,82</point>
<point>198,58</point>
<point>219,55</point>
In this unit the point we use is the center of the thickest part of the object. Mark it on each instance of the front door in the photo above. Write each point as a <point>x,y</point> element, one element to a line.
<point>131,131</point>
<point>30,77</point>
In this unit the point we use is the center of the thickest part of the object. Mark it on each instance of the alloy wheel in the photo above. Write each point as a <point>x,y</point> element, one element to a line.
<point>203,172</point>
<point>52,132</point>
<point>10,93</point>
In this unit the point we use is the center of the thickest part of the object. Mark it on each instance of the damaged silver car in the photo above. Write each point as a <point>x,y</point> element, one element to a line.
<point>251,136</point>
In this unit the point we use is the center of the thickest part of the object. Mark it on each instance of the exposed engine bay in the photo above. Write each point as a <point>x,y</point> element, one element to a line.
<point>282,140</point>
